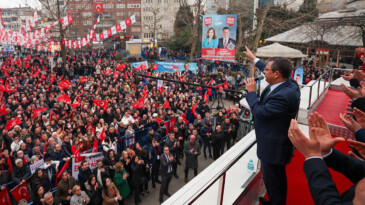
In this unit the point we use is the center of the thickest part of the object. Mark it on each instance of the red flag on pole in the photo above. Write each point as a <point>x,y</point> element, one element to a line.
<point>166,104</point>
<point>3,109</point>
<point>12,123</point>
<point>225,84</point>
<point>64,98</point>
<point>10,169</point>
<point>65,166</point>
<point>82,80</point>
<point>75,105</point>
<point>20,192</point>
<point>102,135</point>
<point>64,84</point>
<point>155,67</point>
<point>206,99</point>
<point>95,147</point>
<point>193,108</point>
<point>44,149</point>
<point>115,75</point>
<point>139,104</point>
<point>37,112</point>
<point>4,196</point>
<point>102,103</point>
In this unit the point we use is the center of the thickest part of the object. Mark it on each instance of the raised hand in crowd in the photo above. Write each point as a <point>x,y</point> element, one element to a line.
<point>360,117</point>
<point>319,128</point>
<point>358,74</point>
<point>350,122</point>
<point>360,147</point>
<point>309,147</point>
<point>353,93</point>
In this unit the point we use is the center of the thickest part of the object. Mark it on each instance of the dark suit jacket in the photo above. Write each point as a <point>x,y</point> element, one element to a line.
<point>164,165</point>
<point>272,117</point>
<point>220,42</point>
<point>360,135</point>
<point>321,185</point>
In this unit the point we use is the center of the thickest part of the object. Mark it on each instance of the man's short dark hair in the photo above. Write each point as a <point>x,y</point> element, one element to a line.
<point>224,28</point>
<point>283,65</point>
<point>83,162</point>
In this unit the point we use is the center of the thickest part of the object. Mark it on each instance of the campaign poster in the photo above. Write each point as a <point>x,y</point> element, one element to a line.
<point>141,65</point>
<point>298,75</point>
<point>172,67</point>
<point>219,37</point>
<point>36,165</point>
<point>91,158</point>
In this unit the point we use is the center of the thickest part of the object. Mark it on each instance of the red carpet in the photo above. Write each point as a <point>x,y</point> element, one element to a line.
<point>334,103</point>
<point>298,190</point>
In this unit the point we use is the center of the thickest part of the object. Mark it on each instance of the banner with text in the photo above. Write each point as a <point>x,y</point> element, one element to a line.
<point>91,158</point>
<point>141,65</point>
<point>219,37</point>
<point>172,67</point>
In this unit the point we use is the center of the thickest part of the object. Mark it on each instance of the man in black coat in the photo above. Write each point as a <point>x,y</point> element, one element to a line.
<point>217,141</point>
<point>21,172</point>
<point>84,173</point>
<point>173,145</point>
<point>228,129</point>
<point>167,162</point>
<point>101,172</point>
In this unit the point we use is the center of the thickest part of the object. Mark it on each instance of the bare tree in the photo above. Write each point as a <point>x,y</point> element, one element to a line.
<point>157,17</point>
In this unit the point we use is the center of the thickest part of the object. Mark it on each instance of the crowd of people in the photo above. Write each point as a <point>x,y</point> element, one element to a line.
<point>56,111</point>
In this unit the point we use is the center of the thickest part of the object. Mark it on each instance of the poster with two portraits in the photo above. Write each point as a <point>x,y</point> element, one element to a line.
<point>219,37</point>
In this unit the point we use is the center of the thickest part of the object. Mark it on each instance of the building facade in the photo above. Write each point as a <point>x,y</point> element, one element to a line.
<point>114,11</point>
<point>158,18</point>
<point>14,18</point>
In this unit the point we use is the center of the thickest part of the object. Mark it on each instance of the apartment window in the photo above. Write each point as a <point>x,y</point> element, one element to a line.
<point>87,14</point>
<point>108,6</point>
<point>87,22</point>
<point>107,15</point>
<point>167,1</point>
<point>120,6</point>
<point>120,13</point>
<point>130,6</point>
<point>149,1</point>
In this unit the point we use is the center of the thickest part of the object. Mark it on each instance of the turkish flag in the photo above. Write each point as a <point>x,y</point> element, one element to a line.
<point>102,103</point>
<point>184,118</point>
<point>4,197</point>
<point>175,67</point>
<point>118,27</point>
<point>98,7</point>
<point>109,32</point>
<point>35,75</point>
<point>75,105</point>
<point>128,22</point>
<point>82,80</point>
<point>12,123</point>
<point>116,75</point>
<point>102,135</point>
<point>64,98</point>
<point>43,76</point>
<point>166,104</point>
<point>21,192</point>
<point>206,99</point>
<point>95,147</point>
<point>158,120</point>
<point>155,67</point>
<point>101,36</point>
<point>70,19</point>
<point>36,112</point>
<point>139,104</point>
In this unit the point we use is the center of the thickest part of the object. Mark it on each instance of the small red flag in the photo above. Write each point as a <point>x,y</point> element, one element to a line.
<point>75,105</point>
<point>166,104</point>
<point>82,80</point>
<point>95,147</point>
<point>139,104</point>
<point>4,196</point>
<point>206,99</point>
<point>102,135</point>
<point>155,67</point>
<point>225,84</point>
<point>115,75</point>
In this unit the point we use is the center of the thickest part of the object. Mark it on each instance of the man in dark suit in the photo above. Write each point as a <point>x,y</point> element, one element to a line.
<point>166,161</point>
<point>318,153</point>
<point>101,172</point>
<point>186,71</point>
<point>272,113</point>
<point>226,41</point>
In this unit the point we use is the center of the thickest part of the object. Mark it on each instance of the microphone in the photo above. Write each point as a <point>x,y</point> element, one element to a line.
<point>256,79</point>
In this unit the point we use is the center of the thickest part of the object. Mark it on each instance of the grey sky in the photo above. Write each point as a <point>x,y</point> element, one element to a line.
<point>15,3</point>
